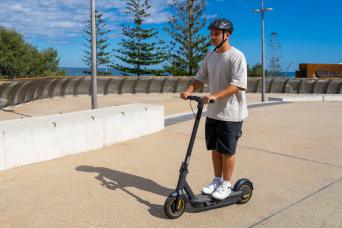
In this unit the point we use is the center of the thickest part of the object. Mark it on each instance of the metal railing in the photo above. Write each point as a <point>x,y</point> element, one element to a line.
<point>330,73</point>
<point>26,90</point>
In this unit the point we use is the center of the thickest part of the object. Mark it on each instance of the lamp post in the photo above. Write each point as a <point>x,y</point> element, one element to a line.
<point>263,49</point>
<point>93,57</point>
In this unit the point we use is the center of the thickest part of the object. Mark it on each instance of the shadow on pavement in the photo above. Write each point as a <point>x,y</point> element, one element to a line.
<point>12,111</point>
<point>121,180</point>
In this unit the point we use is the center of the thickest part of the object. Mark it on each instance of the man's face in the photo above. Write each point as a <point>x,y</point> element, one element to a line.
<point>216,36</point>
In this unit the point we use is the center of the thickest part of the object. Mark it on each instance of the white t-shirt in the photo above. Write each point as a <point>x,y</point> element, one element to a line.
<point>222,69</point>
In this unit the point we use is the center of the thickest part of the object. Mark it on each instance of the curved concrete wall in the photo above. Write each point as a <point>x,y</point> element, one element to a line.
<point>22,91</point>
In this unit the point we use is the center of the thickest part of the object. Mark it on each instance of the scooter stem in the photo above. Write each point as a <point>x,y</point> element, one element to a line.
<point>184,168</point>
<point>194,132</point>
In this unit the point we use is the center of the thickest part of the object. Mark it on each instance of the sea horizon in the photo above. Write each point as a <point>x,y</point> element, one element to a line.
<point>77,71</point>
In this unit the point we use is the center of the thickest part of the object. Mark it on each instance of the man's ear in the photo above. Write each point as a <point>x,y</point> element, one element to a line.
<point>227,35</point>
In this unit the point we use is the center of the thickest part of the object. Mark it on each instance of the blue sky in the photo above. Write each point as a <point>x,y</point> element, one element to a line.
<point>310,31</point>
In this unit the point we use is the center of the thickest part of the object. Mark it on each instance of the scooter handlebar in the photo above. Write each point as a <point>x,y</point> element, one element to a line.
<point>198,99</point>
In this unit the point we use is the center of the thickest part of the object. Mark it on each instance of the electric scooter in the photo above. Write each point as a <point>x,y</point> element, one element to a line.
<point>175,204</point>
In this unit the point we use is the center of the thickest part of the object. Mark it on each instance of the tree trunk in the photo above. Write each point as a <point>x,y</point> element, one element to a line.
<point>190,36</point>
<point>139,39</point>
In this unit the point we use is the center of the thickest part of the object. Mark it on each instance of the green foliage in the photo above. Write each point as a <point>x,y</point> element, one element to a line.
<point>19,59</point>
<point>45,63</point>
<point>134,51</point>
<point>274,63</point>
<point>15,54</point>
<point>103,57</point>
<point>188,48</point>
<point>249,72</point>
<point>256,71</point>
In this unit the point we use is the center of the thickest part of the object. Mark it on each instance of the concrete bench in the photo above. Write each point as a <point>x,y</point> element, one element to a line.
<point>37,139</point>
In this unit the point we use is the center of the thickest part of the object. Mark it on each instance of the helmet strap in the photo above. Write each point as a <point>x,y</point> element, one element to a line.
<point>223,40</point>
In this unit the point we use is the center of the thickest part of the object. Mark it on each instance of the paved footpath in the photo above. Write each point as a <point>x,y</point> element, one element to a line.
<point>170,101</point>
<point>290,151</point>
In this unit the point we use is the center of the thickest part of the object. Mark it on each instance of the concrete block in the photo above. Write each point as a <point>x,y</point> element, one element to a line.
<point>275,99</point>
<point>2,151</point>
<point>313,98</point>
<point>297,98</point>
<point>37,139</point>
<point>334,97</point>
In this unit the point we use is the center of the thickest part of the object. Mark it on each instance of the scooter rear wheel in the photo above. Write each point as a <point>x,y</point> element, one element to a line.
<point>172,210</point>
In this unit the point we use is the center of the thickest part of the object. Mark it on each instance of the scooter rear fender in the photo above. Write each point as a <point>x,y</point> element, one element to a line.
<point>242,181</point>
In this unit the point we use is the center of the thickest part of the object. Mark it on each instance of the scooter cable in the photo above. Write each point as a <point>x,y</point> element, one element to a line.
<point>192,110</point>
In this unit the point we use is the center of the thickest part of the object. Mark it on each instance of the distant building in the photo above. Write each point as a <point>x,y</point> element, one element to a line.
<point>309,70</point>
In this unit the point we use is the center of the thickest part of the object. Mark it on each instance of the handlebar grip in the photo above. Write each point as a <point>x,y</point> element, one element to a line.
<point>198,99</point>
<point>194,98</point>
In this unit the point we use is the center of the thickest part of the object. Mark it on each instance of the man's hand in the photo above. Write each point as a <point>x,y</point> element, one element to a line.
<point>208,98</point>
<point>185,95</point>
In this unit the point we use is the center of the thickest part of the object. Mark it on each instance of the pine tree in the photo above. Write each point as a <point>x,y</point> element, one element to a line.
<point>188,48</point>
<point>102,57</point>
<point>134,51</point>
<point>275,66</point>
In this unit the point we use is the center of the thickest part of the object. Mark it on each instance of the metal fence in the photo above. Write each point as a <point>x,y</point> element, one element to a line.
<point>27,90</point>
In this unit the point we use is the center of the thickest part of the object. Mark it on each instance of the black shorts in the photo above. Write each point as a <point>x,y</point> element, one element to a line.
<point>222,135</point>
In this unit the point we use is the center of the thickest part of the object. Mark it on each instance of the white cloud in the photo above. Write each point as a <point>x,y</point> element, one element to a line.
<point>48,20</point>
<point>210,16</point>
<point>56,42</point>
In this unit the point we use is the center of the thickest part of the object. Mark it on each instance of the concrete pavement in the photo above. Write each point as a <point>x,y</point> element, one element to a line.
<point>74,104</point>
<point>291,152</point>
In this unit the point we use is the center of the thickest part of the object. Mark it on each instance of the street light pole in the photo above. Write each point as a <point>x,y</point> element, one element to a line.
<point>263,48</point>
<point>263,53</point>
<point>93,57</point>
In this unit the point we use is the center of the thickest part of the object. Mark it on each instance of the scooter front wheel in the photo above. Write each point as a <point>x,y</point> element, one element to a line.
<point>172,210</point>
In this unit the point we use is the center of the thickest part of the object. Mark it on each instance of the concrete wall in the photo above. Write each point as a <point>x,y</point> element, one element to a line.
<point>335,97</point>
<point>37,139</point>
<point>23,91</point>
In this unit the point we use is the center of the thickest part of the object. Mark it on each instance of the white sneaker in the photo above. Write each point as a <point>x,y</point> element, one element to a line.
<point>211,187</point>
<point>222,192</point>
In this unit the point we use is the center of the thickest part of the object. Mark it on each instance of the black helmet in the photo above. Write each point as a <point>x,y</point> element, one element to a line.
<point>222,23</point>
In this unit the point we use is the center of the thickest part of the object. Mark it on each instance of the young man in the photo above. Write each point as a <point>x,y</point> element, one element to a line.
<point>226,70</point>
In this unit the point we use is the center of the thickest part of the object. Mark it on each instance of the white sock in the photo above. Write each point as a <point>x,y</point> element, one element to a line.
<point>227,183</point>
<point>220,179</point>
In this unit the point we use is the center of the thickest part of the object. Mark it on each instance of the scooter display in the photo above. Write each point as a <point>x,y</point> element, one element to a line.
<point>175,204</point>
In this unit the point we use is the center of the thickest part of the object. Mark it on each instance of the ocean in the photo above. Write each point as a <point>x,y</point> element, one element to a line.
<point>78,72</point>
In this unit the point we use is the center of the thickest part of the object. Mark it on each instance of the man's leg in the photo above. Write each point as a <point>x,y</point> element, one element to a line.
<point>223,165</point>
<point>217,163</point>
<point>228,162</point>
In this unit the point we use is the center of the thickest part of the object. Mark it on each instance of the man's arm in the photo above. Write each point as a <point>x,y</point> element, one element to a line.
<point>195,85</point>
<point>226,92</point>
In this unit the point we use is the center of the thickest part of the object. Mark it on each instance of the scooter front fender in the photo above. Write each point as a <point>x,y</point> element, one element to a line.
<point>179,192</point>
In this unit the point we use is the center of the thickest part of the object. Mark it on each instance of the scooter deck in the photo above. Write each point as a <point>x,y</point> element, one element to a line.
<point>204,201</point>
